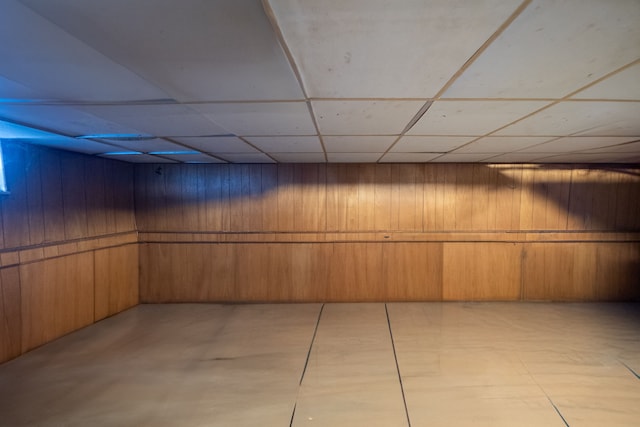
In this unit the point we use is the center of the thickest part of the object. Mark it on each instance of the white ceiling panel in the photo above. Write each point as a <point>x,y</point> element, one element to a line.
<point>12,91</point>
<point>353,157</point>
<point>261,119</point>
<point>145,146</point>
<point>584,118</point>
<point>580,158</point>
<point>405,49</point>
<point>246,158</point>
<point>192,158</point>
<point>290,144</point>
<point>554,48</point>
<point>358,144</point>
<point>501,144</point>
<point>462,158</point>
<point>635,159</point>
<point>77,145</point>
<point>298,157</point>
<point>364,117</point>
<point>623,85</point>
<point>408,157</point>
<point>471,117</point>
<point>577,143</point>
<point>196,50</point>
<point>430,144</point>
<point>631,148</point>
<point>61,119</point>
<point>138,158</point>
<point>158,120</point>
<point>519,157</point>
<point>47,59</point>
<point>217,144</point>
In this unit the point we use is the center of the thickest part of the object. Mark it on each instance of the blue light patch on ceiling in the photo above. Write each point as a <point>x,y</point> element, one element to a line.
<point>170,153</point>
<point>13,131</point>
<point>122,153</point>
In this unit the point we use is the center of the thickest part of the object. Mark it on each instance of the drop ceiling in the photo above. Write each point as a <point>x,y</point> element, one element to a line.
<point>279,81</point>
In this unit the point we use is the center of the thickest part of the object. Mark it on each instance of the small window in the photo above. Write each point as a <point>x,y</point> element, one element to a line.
<point>3,182</point>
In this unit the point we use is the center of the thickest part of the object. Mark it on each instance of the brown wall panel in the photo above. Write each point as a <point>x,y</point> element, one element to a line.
<point>61,207</point>
<point>116,280</point>
<point>345,205</point>
<point>10,314</point>
<point>481,271</point>
<point>57,298</point>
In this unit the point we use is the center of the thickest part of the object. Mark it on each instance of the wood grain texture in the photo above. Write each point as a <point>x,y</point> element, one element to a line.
<point>116,280</point>
<point>481,271</point>
<point>57,297</point>
<point>339,215</point>
<point>10,314</point>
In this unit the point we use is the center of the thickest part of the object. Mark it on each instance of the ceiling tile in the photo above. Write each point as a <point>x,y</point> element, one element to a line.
<point>246,158</point>
<point>462,158</point>
<point>196,50</point>
<point>430,144</point>
<point>364,117</point>
<point>77,145</point>
<point>261,119</point>
<point>471,117</point>
<point>138,158</point>
<point>291,144</point>
<point>353,157</point>
<point>192,158</point>
<point>623,85</point>
<point>61,119</point>
<point>145,146</point>
<point>554,48</point>
<point>13,91</point>
<point>579,158</point>
<point>55,64</point>
<point>159,120</point>
<point>358,144</point>
<point>577,143</point>
<point>298,157</point>
<point>632,148</point>
<point>217,144</point>
<point>584,118</point>
<point>519,157</point>
<point>501,144</point>
<point>383,41</point>
<point>408,157</point>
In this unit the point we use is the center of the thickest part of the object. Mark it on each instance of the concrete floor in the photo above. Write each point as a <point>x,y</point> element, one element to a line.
<point>399,364</point>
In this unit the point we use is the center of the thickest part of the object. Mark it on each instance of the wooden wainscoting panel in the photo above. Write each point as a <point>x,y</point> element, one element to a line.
<point>617,272</point>
<point>412,271</point>
<point>481,271</point>
<point>116,280</point>
<point>560,271</point>
<point>10,314</point>
<point>57,297</point>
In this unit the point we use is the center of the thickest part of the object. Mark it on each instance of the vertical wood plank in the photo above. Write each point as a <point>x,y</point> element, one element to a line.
<point>116,280</point>
<point>14,204</point>
<point>383,190</point>
<point>35,206</point>
<point>75,208</point>
<point>57,297</point>
<point>10,314</point>
<point>95,196</point>
<point>481,271</point>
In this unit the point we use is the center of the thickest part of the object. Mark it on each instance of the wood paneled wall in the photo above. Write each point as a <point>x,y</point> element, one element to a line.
<point>68,244</point>
<point>349,232</point>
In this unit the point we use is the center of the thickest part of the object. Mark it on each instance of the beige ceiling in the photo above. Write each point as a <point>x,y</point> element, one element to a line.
<point>246,81</point>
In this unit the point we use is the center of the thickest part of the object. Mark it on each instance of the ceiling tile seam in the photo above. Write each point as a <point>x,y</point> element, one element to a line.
<point>108,57</point>
<point>484,47</point>
<point>600,79</point>
<point>317,127</point>
<point>556,102</point>
<point>271,17</point>
<point>294,66</point>
<point>243,139</point>
<point>573,135</point>
<point>181,144</point>
<point>462,69</point>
